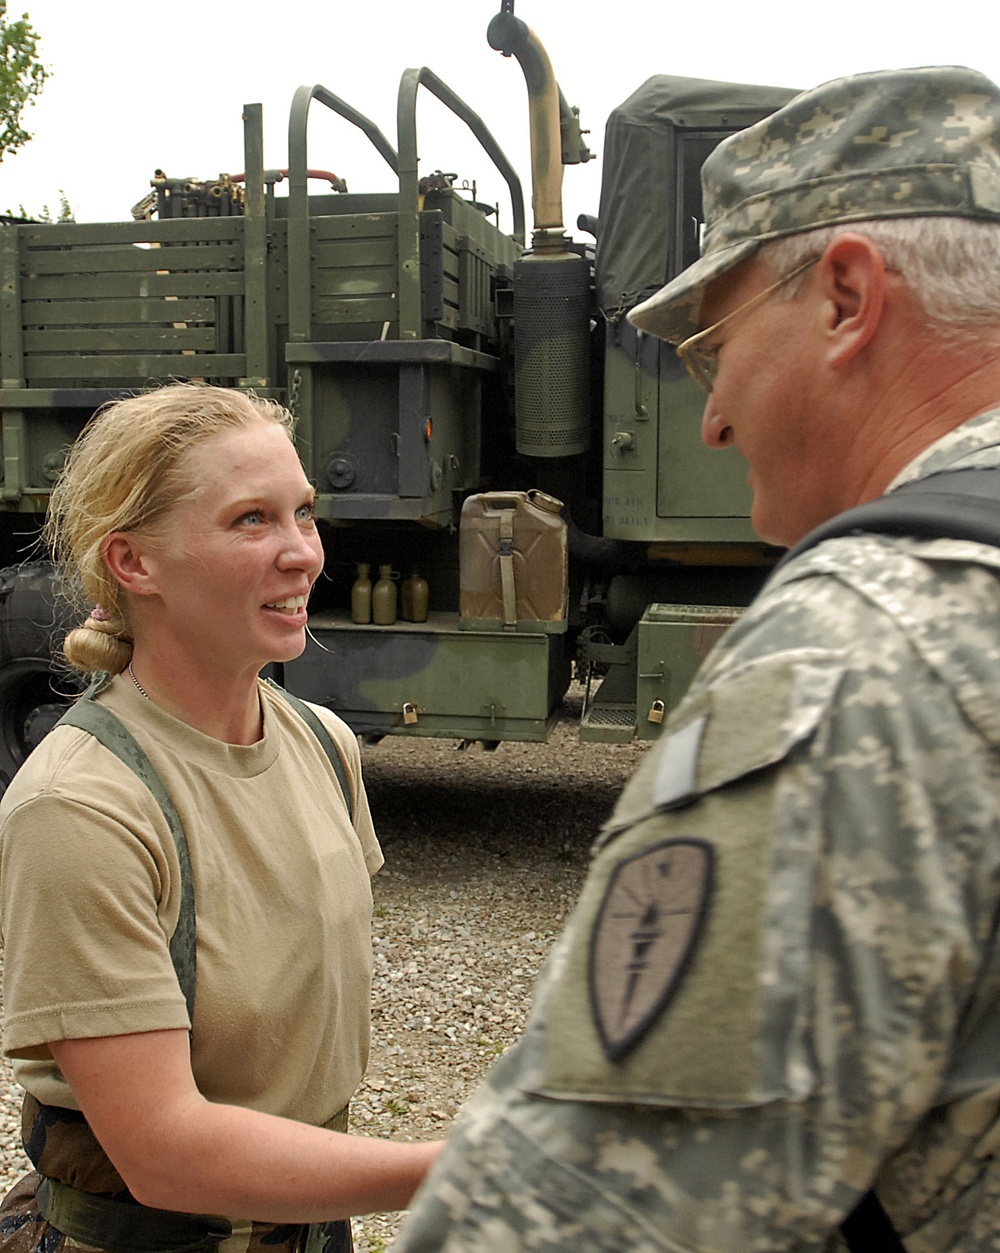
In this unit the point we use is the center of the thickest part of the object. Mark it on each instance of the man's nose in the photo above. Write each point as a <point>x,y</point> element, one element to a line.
<point>714,430</point>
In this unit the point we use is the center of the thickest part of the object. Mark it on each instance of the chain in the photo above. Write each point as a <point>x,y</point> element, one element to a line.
<point>142,690</point>
<point>293,392</point>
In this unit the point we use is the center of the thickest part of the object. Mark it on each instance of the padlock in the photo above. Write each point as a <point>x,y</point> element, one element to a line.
<point>656,711</point>
<point>409,714</point>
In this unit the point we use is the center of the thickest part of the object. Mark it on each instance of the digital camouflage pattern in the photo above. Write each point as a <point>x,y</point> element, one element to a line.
<point>835,1027</point>
<point>895,143</point>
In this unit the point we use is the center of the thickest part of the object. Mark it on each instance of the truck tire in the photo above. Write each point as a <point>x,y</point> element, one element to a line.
<point>34,690</point>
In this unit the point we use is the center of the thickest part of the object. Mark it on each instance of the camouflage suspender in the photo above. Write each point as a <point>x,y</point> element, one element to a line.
<point>110,731</point>
<point>325,739</point>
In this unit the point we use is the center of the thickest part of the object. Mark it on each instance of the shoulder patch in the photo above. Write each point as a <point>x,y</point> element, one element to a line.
<point>644,935</point>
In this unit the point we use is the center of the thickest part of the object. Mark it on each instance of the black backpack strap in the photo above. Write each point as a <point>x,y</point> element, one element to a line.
<point>955,504</point>
<point>868,1228</point>
<point>325,738</point>
<point>110,731</point>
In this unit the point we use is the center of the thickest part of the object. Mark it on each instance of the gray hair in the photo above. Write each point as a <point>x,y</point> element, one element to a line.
<point>951,264</point>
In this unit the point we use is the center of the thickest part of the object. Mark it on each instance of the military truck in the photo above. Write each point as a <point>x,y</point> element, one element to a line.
<point>481,422</point>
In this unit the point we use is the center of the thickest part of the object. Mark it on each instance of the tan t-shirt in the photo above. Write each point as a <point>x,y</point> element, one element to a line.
<point>89,895</point>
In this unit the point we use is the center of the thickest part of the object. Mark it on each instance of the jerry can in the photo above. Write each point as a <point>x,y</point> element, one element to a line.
<point>513,560</point>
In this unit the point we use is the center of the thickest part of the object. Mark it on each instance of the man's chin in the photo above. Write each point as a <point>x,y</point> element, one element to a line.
<point>769,529</point>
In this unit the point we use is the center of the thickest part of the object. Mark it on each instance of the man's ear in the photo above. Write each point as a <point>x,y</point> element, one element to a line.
<point>129,563</point>
<point>852,274</point>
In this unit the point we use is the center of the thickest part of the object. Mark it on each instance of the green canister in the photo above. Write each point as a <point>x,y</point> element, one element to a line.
<point>414,595</point>
<point>384,598</point>
<point>361,596</point>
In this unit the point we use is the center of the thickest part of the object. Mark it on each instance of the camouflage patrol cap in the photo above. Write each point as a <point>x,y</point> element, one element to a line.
<point>893,143</point>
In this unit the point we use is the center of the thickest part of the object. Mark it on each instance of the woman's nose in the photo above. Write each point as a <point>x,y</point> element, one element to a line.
<point>302,550</point>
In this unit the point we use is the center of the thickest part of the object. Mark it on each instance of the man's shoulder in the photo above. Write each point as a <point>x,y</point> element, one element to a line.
<point>906,582</point>
<point>916,615</point>
<point>834,600</point>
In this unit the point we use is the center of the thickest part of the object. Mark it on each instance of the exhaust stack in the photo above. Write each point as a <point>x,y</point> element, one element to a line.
<point>551,282</point>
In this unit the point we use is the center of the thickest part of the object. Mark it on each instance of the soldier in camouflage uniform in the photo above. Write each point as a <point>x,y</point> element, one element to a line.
<point>781,986</point>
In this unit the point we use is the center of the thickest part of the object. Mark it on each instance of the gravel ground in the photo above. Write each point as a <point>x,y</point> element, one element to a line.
<point>485,854</point>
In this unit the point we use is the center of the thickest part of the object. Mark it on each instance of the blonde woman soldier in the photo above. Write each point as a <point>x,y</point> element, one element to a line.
<point>188,956</point>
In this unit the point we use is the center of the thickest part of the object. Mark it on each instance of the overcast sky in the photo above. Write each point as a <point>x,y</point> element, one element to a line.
<point>136,87</point>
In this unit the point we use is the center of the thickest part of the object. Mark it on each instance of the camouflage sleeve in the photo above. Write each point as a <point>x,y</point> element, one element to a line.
<point>776,986</point>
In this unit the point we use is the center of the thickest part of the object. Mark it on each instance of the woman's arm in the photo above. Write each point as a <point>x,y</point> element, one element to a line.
<point>177,1151</point>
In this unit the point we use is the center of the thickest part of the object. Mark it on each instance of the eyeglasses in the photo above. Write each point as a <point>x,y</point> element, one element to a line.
<point>702,360</point>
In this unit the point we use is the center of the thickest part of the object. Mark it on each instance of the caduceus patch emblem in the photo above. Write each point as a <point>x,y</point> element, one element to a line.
<point>645,934</point>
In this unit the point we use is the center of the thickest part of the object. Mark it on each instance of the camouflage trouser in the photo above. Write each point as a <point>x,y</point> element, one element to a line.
<point>24,1230</point>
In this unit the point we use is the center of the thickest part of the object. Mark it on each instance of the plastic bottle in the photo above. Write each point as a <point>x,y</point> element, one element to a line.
<point>361,596</point>
<point>415,596</point>
<point>384,598</point>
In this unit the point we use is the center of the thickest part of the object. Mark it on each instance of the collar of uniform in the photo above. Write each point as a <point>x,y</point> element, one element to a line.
<point>148,722</point>
<point>976,443</point>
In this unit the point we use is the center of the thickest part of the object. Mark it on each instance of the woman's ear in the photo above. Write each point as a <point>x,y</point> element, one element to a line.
<point>128,562</point>
<point>852,274</point>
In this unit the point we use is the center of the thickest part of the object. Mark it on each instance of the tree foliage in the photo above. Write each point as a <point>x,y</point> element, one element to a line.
<point>45,214</point>
<point>22,76</point>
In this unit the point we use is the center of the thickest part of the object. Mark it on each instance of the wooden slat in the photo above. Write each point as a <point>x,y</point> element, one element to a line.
<point>350,282</point>
<point>121,339</point>
<point>333,310</point>
<point>127,312</point>
<point>476,311</point>
<point>126,258</point>
<point>331,254</point>
<point>11,348</point>
<point>450,250</point>
<point>107,368</point>
<point>132,285</point>
<point>87,234</point>
<point>354,226</point>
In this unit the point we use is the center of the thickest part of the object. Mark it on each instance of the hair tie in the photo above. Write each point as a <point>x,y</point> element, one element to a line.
<point>99,614</point>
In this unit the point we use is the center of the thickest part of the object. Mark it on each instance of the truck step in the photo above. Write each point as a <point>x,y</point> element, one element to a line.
<point>608,722</point>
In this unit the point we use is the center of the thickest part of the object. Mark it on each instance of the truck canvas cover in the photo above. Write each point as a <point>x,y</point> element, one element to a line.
<point>635,252</point>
